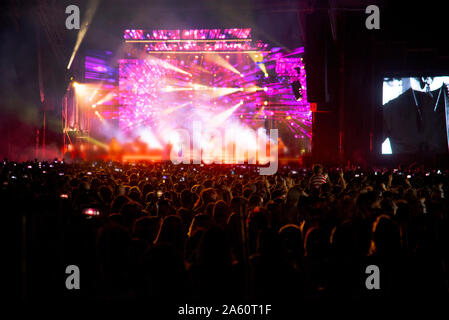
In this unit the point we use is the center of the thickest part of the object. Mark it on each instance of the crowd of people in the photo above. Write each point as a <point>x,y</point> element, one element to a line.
<point>215,232</point>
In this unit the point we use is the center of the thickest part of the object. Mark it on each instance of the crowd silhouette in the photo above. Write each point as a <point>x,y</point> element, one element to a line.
<point>216,232</point>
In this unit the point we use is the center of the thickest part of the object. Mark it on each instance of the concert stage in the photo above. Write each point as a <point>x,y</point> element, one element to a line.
<point>165,84</point>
